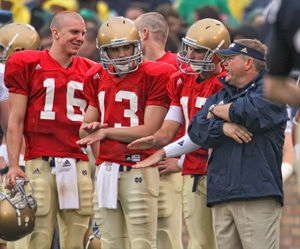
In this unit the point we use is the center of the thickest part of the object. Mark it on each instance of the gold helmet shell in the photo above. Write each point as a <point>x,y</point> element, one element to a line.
<point>115,32</point>
<point>208,34</point>
<point>17,37</point>
<point>17,212</point>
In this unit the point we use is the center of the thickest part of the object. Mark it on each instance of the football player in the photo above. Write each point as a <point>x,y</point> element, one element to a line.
<point>127,100</point>
<point>154,31</point>
<point>189,88</point>
<point>47,107</point>
<point>13,37</point>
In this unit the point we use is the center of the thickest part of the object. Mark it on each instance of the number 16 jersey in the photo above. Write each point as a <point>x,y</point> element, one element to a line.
<point>55,105</point>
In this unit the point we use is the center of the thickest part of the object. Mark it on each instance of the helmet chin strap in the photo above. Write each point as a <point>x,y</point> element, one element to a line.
<point>123,68</point>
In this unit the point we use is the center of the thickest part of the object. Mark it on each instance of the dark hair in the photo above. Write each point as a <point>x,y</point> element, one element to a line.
<point>207,11</point>
<point>246,31</point>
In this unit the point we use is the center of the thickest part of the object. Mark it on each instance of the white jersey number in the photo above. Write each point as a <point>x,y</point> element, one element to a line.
<point>128,113</point>
<point>72,86</point>
<point>184,103</point>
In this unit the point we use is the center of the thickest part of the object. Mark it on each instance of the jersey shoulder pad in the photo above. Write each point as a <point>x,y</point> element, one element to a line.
<point>155,68</point>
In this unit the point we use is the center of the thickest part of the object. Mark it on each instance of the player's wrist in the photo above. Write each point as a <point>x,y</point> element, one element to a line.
<point>180,162</point>
<point>154,140</point>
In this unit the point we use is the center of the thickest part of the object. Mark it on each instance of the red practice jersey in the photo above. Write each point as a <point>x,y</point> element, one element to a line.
<point>122,101</point>
<point>190,94</point>
<point>56,102</point>
<point>169,58</point>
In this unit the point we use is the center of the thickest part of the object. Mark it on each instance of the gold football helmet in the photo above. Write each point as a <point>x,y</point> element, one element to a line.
<point>208,34</point>
<point>119,31</point>
<point>17,37</point>
<point>17,212</point>
<point>92,239</point>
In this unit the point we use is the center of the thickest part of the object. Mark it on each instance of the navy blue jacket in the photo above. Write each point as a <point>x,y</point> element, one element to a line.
<point>242,171</point>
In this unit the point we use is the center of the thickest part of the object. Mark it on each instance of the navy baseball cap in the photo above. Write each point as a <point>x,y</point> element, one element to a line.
<point>237,48</point>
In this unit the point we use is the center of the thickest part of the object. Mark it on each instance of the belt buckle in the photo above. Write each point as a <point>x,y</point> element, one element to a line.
<point>108,166</point>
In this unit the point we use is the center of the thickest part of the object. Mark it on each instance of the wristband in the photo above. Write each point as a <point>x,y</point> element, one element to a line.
<point>180,147</point>
<point>180,161</point>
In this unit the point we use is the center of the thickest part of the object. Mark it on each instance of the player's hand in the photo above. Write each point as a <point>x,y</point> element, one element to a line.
<point>93,126</point>
<point>151,160</point>
<point>12,174</point>
<point>237,132</point>
<point>95,136</point>
<point>168,166</point>
<point>143,143</point>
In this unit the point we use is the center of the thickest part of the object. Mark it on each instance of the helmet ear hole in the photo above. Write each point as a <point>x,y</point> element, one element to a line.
<point>17,212</point>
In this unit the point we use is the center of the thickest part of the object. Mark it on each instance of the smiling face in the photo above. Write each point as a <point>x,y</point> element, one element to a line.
<point>69,34</point>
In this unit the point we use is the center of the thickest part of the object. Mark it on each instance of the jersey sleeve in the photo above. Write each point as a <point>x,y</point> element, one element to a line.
<point>16,75</point>
<point>157,89</point>
<point>174,86</point>
<point>91,81</point>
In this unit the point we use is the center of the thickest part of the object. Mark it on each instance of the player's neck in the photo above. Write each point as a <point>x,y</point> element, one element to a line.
<point>153,53</point>
<point>65,61</point>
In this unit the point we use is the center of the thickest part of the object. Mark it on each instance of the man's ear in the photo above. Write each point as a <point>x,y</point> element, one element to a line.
<point>145,34</point>
<point>249,63</point>
<point>55,33</point>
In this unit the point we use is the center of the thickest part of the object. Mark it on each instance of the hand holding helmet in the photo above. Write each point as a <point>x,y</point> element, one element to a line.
<point>17,212</point>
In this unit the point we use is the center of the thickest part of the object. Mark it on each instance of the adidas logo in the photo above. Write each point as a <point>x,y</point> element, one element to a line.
<point>244,50</point>
<point>179,81</point>
<point>38,67</point>
<point>36,171</point>
<point>96,76</point>
<point>66,164</point>
<point>181,143</point>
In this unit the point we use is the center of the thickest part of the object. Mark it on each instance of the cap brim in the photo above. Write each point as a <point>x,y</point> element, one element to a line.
<point>223,53</point>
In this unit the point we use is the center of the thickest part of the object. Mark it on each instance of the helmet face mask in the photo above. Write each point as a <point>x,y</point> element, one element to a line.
<point>92,239</point>
<point>17,37</point>
<point>17,212</point>
<point>117,32</point>
<point>208,35</point>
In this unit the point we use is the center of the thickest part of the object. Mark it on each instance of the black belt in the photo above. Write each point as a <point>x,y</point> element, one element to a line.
<point>51,160</point>
<point>195,182</point>
<point>124,168</point>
